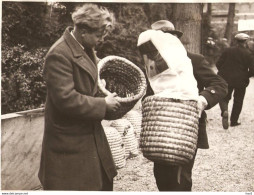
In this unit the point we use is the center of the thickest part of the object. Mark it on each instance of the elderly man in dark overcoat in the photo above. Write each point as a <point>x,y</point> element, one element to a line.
<point>236,66</point>
<point>75,152</point>
<point>212,88</point>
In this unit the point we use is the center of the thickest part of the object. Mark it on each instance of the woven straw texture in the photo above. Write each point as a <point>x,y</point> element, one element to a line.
<point>116,146</point>
<point>169,130</point>
<point>125,128</point>
<point>124,78</point>
<point>135,117</point>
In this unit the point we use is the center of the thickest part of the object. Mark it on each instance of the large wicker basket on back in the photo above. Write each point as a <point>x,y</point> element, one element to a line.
<point>124,78</point>
<point>169,130</point>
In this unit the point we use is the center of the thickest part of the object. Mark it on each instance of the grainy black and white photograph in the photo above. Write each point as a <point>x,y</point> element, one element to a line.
<point>127,96</point>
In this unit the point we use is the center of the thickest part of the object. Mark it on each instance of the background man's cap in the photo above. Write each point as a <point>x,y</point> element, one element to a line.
<point>166,26</point>
<point>242,37</point>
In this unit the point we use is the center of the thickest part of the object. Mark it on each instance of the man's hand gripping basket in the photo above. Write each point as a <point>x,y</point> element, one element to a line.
<point>124,78</point>
<point>169,130</point>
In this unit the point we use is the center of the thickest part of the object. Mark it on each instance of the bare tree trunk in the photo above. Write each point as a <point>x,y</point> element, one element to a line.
<point>188,18</point>
<point>209,12</point>
<point>230,22</point>
<point>157,11</point>
<point>206,26</point>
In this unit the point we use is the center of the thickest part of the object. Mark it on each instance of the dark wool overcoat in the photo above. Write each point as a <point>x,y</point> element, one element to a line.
<point>210,85</point>
<point>236,65</point>
<point>75,151</point>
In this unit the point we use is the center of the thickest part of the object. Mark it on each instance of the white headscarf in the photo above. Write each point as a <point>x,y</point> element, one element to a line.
<point>178,80</point>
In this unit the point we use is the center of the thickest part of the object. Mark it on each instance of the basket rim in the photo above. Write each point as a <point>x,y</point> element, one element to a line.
<point>102,63</point>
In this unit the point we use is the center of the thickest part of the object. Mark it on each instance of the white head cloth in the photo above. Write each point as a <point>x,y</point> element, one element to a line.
<point>178,80</point>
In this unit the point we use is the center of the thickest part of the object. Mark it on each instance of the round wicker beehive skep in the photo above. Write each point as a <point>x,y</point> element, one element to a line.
<point>116,146</point>
<point>126,130</point>
<point>124,78</point>
<point>138,106</point>
<point>135,117</point>
<point>169,130</point>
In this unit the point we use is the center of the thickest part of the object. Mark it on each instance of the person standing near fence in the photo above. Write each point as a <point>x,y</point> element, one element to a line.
<point>236,66</point>
<point>75,152</point>
<point>212,88</point>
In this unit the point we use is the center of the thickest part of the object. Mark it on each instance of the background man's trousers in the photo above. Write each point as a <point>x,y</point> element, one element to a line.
<point>239,94</point>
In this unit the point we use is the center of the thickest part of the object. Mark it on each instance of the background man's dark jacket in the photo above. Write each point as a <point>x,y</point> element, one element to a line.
<point>235,65</point>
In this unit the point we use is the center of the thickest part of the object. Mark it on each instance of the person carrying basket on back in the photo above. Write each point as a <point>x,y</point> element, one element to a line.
<point>173,72</point>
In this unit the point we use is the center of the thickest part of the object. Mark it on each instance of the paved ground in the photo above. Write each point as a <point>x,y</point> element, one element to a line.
<point>226,167</point>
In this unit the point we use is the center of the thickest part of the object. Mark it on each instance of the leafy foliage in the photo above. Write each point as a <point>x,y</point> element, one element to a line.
<point>23,87</point>
<point>131,21</point>
<point>32,24</point>
<point>27,28</point>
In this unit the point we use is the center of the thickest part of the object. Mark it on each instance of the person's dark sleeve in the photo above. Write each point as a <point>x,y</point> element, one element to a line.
<point>149,90</point>
<point>251,66</point>
<point>221,60</point>
<point>215,87</point>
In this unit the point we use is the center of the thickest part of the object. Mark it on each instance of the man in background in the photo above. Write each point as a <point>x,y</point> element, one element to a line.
<point>236,66</point>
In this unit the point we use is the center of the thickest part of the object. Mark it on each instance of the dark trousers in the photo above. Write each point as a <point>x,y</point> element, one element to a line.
<point>239,94</point>
<point>166,176</point>
<point>107,184</point>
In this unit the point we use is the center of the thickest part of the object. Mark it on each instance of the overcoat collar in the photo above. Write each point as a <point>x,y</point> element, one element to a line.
<point>80,56</point>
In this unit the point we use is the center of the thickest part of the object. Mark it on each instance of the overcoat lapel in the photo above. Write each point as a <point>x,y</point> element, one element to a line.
<point>80,56</point>
<point>87,65</point>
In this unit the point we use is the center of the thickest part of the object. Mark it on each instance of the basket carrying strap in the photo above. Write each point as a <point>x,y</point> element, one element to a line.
<point>179,174</point>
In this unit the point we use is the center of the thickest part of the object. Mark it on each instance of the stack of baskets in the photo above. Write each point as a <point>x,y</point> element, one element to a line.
<point>135,117</point>
<point>124,78</point>
<point>138,106</point>
<point>125,128</point>
<point>116,146</point>
<point>169,130</point>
